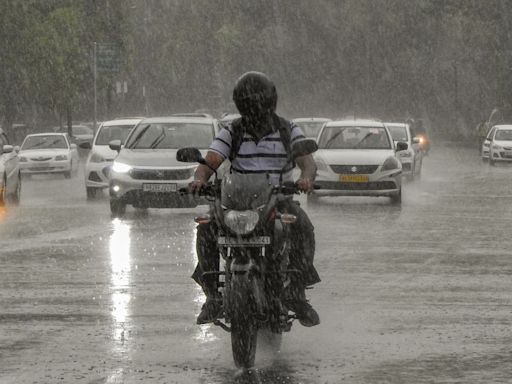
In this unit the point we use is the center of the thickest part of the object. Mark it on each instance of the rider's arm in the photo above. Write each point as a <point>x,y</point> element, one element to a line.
<point>203,173</point>
<point>308,172</point>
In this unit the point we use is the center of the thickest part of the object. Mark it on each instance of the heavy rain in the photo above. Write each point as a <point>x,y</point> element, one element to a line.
<point>114,116</point>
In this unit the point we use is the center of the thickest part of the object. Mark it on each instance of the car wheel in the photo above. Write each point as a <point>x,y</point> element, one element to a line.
<point>3,193</point>
<point>117,207</point>
<point>91,192</point>
<point>67,174</point>
<point>15,197</point>
<point>397,198</point>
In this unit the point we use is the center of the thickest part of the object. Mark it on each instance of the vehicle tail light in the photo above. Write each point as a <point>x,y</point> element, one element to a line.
<point>288,218</point>
<point>203,219</point>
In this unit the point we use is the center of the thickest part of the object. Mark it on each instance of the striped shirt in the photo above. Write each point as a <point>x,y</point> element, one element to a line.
<point>266,156</point>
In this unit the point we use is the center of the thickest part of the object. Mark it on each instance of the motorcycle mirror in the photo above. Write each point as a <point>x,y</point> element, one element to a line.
<point>189,155</point>
<point>401,146</point>
<point>303,147</point>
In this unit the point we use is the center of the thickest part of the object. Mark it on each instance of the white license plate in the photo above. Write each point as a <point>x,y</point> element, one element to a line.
<point>243,242</point>
<point>40,165</point>
<point>159,187</point>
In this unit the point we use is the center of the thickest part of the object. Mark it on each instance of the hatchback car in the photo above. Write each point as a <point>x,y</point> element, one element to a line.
<point>311,125</point>
<point>501,145</point>
<point>358,158</point>
<point>10,177</point>
<point>146,174</point>
<point>48,153</point>
<point>412,157</point>
<point>101,157</point>
<point>486,145</point>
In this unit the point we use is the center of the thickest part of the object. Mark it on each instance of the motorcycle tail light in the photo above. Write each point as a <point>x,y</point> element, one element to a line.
<point>202,219</point>
<point>287,218</point>
<point>241,222</point>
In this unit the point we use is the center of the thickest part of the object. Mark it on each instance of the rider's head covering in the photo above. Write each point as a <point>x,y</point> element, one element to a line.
<point>255,96</point>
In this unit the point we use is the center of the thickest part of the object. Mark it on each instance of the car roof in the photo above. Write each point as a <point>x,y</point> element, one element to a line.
<point>179,119</point>
<point>503,126</point>
<point>120,121</point>
<point>193,114</point>
<point>306,119</point>
<point>356,123</point>
<point>48,134</point>
<point>397,124</point>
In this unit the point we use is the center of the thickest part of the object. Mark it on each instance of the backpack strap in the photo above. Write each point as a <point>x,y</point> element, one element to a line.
<point>238,133</point>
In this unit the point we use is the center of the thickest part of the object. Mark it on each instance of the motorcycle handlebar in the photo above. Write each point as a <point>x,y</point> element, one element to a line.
<point>288,188</point>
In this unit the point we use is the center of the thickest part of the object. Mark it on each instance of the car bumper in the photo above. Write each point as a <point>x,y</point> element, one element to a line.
<point>131,191</point>
<point>97,174</point>
<point>504,156</point>
<point>47,167</point>
<point>383,184</point>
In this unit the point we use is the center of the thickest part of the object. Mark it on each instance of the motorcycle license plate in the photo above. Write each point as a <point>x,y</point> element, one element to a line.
<point>243,242</point>
<point>161,187</point>
<point>354,178</point>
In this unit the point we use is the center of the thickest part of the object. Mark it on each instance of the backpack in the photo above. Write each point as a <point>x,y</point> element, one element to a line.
<point>238,131</point>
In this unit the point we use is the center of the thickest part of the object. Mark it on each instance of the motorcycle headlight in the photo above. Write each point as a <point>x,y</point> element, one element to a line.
<point>96,158</point>
<point>121,167</point>
<point>61,157</point>
<point>390,164</point>
<point>241,222</point>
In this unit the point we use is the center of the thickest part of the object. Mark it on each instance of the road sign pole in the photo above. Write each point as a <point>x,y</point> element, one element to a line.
<point>95,75</point>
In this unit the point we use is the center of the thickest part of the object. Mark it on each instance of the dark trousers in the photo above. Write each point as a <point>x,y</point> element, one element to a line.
<point>301,256</point>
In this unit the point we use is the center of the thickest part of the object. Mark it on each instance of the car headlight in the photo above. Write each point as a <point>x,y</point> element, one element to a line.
<point>241,222</point>
<point>96,158</point>
<point>405,154</point>
<point>390,164</point>
<point>61,157</point>
<point>121,167</point>
<point>496,147</point>
<point>23,159</point>
<point>321,165</point>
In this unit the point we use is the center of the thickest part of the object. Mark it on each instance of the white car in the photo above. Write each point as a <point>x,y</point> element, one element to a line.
<point>501,144</point>
<point>311,126</point>
<point>48,153</point>
<point>486,145</point>
<point>412,157</point>
<point>10,177</point>
<point>358,158</point>
<point>101,157</point>
<point>146,173</point>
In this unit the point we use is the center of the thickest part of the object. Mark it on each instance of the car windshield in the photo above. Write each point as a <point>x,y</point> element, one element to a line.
<point>81,130</point>
<point>503,134</point>
<point>310,128</point>
<point>352,137</point>
<point>171,136</point>
<point>113,132</point>
<point>45,142</point>
<point>398,132</point>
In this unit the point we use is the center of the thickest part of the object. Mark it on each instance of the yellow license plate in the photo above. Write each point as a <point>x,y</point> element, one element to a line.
<point>354,178</point>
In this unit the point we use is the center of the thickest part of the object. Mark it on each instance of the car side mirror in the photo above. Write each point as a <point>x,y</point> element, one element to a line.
<point>7,149</point>
<point>416,140</point>
<point>72,146</point>
<point>401,146</point>
<point>115,145</point>
<point>85,145</point>
<point>189,155</point>
<point>303,147</point>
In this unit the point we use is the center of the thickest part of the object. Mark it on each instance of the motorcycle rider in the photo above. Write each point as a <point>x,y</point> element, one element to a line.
<point>261,149</point>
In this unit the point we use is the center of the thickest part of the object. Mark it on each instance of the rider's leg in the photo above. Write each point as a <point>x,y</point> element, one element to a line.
<point>207,261</point>
<point>301,258</point>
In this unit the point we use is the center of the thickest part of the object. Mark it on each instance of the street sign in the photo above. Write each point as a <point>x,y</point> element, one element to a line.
<point>108,58</point>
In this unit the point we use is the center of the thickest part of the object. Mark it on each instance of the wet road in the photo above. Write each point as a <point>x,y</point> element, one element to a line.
<point>420,293</point>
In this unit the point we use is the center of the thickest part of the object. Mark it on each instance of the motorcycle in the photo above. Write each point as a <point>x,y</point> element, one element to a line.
<point>254,244</point>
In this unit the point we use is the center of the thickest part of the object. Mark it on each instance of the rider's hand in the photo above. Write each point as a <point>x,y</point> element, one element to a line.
<point>305,185</point>
<point>195,186</point>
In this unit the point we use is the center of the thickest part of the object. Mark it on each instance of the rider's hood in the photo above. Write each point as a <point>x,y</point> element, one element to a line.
<point>245,191</point>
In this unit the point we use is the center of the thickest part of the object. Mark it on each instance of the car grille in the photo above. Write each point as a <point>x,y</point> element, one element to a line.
<point>40,158</point>
<point>348,169</point>
<point>161,174</point>
<point>506,155</point>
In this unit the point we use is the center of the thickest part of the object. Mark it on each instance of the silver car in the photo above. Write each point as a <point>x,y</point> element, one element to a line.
<point>146,174</point>
<point>10,177</point>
